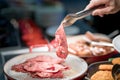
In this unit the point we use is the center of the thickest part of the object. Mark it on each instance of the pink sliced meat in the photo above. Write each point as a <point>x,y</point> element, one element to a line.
<point>48,75</point>
<point>44,67</point>
<point>19,67</point>
<point>61,42</point>
<point>43,58</point>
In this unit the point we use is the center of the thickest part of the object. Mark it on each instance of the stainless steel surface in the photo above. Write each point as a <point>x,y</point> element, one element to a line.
<point>73,17</point>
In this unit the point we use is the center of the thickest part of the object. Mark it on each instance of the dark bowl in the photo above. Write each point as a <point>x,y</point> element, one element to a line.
<point>94,67</point>
<point>116,71</point>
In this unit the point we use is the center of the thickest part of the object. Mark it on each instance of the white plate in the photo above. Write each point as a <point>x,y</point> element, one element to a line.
<point>116,43</point>
<point>78,66</point>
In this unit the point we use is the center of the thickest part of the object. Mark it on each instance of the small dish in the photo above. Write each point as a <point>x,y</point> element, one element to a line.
<point>94,67</point>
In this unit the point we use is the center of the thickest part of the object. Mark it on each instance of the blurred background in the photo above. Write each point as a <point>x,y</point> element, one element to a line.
<point>29,22</point>
<point>24,23</point>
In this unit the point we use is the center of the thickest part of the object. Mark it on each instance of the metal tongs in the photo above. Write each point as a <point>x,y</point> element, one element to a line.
<point>73,17</point>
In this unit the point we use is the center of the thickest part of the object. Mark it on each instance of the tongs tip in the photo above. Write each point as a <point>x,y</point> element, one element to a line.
<point>68,20</point>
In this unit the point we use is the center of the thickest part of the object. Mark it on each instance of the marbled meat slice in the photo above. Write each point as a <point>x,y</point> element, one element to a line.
<point>58,74</point>
<point>44,67</point>
<point>44,58</point>
<point>61,42</point>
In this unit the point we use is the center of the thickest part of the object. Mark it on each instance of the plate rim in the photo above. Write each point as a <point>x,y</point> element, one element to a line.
<point>114,44</point>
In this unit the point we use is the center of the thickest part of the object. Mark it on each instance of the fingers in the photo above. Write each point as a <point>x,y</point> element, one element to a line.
<point>94,3</point>
<point>103,11</point>
<point>108,9</point>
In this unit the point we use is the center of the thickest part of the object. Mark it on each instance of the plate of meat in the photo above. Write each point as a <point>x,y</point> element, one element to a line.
<point>44,66</point>
<point>82,45</point>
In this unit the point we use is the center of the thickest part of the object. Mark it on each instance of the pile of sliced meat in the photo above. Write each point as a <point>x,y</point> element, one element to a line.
<point>83,48</point>
<point>42,66</point>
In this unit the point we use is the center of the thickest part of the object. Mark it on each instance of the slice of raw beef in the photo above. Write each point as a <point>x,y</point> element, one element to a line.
<point>61,42</point>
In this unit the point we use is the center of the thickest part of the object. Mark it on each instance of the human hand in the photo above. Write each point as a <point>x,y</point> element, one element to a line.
<point>111,7</point>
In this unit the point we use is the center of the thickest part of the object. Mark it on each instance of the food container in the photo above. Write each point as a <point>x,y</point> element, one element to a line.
<point>71,61</point>
<point>106,68</point>
<point>94,67</point>
<point>77,42</point>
